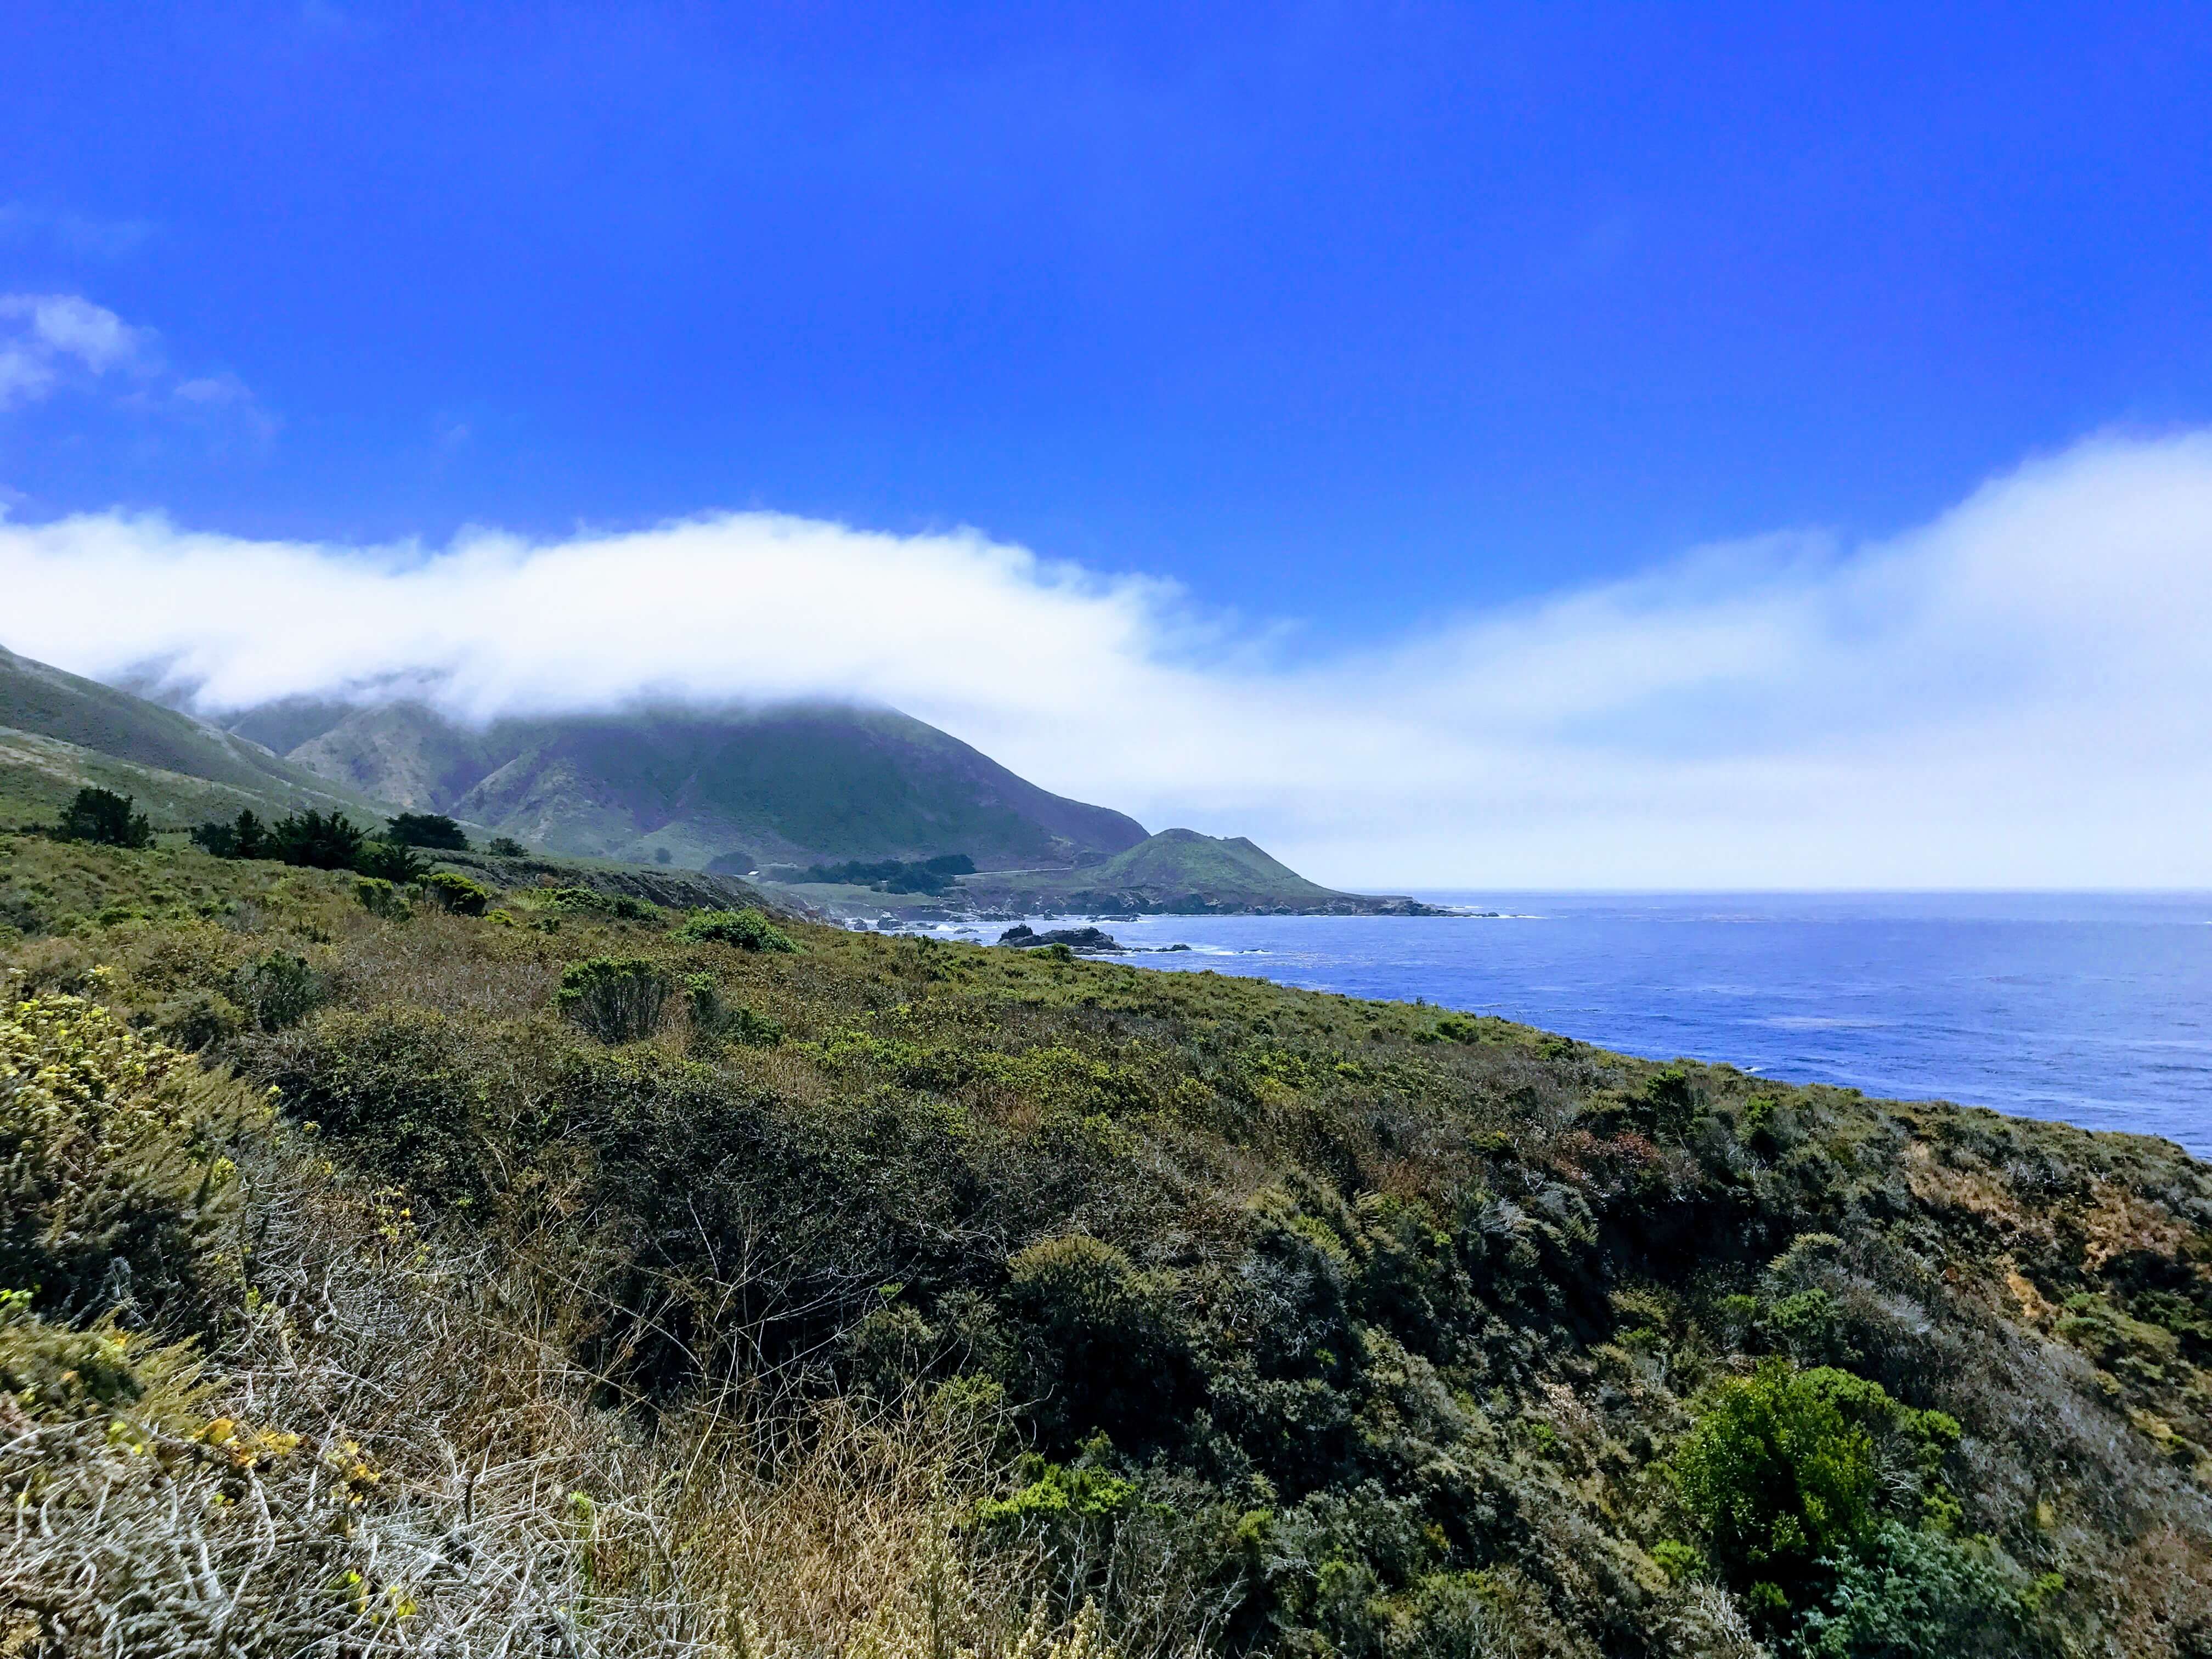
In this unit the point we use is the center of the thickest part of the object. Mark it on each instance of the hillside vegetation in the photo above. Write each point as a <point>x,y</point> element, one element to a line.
<point>59,733</point>
<point>582,1278</point>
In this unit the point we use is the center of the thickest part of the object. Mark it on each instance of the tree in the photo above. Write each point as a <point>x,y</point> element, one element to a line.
<point>105,819</point>
<point>390,861</point>
<point>317,841</point>
<point>506,847</point>
<point>216,838</point>
<point>243,837</point>
<point>431,829</point>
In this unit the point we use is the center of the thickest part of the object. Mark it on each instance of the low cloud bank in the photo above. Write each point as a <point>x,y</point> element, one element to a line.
<point>2018,693</point>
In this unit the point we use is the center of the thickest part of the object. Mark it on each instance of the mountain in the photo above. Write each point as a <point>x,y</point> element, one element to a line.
<point>723,790</point>
<point>1180,861</point>
<point>1179,871</point>
<point>59,732</point>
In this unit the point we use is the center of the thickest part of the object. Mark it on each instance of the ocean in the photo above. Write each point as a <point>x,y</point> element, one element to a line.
<point>2092,1008</point>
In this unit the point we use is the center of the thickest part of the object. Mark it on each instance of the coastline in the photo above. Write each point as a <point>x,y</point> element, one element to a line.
<point>2084,1008</point>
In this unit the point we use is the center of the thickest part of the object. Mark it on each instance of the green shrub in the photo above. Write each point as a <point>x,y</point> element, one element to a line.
<point>747,929</point>
<point>57,1375</point>
<point>277,989</point>
<point>753,1031</point>
<point>118,1184</point>
<point>616,998</point>
<point>2131,1348</point>
<point>620,906</point>
<point>505,846</point>
<point>199,1020</point>
<point>890,1350</point>
<point>1765,1125</point>
<point>105,819</point>
<point>380,897</point>
<point>1669,1104</point>
<point>399,1090</point>
<point>457,893</point>
<point>1909,1593</point>
<point>1780,1480</point>
<point>719,1021</point>
<point>1106,1353</point>
<point>1054,1494</point>
<point>1805,1326</point>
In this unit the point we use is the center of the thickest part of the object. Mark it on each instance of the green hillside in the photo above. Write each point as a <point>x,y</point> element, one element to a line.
<point>727,790</point>
<point>399,752</point>
<point>1177,870</point>
<point>575,1280</point>
<point>59,732</point>
<point>1185,859</point>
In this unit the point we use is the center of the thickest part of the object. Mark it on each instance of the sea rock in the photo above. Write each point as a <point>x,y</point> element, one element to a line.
<point>1086,941</point>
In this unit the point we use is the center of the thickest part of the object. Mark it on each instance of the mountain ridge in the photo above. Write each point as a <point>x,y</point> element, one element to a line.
<point>793,782</point>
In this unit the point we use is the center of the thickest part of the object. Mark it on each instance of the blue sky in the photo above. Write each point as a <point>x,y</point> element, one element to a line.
<point>1337,313</point>
<point>1364,328</point>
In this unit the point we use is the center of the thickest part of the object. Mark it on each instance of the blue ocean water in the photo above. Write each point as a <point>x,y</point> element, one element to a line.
<point>2093,1008</point>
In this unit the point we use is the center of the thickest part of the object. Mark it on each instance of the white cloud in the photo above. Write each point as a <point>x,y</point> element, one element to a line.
<point>44,335</point>
<point>49,341</point>
<point>75,327</point>
<point>222,407</point>
<point>2016,693</point>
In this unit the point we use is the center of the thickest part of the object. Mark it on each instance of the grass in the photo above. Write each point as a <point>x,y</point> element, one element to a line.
<point>892,1296</point>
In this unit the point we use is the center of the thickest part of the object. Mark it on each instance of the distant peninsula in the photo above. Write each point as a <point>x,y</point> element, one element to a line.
<point>1175,873</point>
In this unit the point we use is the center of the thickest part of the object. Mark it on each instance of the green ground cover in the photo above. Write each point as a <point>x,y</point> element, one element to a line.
<point>600,1275</point>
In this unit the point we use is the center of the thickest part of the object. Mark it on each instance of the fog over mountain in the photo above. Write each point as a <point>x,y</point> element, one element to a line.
<point>1961,703</point>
